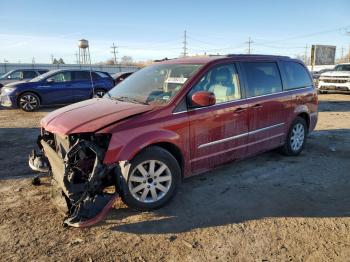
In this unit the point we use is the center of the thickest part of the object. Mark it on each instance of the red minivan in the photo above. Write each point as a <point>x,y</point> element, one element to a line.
<point>169,121</point>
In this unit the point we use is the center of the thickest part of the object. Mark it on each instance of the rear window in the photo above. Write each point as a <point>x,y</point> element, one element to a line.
<point>296,75</point>
<point>263,78</point>
<point>29,74</point>
<point>81,75</point>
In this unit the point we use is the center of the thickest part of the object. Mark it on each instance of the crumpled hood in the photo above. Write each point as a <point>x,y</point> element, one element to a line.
<point>90,115</point>
<point>336,73</point>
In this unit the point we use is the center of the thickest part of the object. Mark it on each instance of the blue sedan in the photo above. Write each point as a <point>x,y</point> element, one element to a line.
<point>56,87</point>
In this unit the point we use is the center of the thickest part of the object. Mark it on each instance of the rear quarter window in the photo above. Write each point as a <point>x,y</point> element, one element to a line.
<point>296,75</point>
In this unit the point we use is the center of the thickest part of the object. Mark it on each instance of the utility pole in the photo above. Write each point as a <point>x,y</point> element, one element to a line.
<point>76,58</point>
<point>52,58</point>
<point>342,54</point>
<point>250,41</point>
<point>305,55</point>
<point>33,60</point>
<point>114,52</point>
<point>348,33</point>
<point>184,54</point>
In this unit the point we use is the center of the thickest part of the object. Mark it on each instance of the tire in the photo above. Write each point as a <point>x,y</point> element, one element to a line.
<point>99,92</point>
<point>146,191</point>
<point>28,102</point>
<point>296,138</point>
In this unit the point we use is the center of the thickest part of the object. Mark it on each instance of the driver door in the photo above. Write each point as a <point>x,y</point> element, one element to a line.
<point>218,133</point>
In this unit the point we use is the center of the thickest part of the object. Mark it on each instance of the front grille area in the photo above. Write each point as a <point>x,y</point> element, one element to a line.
<point>336,81</point>
<point>62,145</point>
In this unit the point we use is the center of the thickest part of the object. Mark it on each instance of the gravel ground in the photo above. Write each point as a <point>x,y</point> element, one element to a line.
<point>266,208</point>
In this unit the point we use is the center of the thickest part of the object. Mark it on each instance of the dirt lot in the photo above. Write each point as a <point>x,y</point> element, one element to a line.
<point>267,208</point>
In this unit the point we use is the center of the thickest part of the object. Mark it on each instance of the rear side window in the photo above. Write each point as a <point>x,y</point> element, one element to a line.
<point>296,75</point>
<point>81,75</point>
<point>263,78</point>
<point>29,74</point>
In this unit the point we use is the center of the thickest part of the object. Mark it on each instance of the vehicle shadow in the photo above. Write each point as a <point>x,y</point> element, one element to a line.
<point>333,106</point>
<point>269,185</point>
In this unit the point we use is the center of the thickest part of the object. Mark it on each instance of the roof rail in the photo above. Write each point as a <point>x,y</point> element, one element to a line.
<point>259,55</point>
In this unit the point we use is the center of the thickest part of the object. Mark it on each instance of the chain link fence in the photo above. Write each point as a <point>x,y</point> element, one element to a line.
<point>112,69</point>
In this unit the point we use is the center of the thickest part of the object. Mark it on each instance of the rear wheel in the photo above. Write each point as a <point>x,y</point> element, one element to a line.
<point>296,138</point>
<point>98,93</point>
<point>28,101</point>
<point>152,179</point>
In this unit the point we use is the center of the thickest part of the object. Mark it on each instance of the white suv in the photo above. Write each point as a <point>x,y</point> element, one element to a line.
<point>335,81</point>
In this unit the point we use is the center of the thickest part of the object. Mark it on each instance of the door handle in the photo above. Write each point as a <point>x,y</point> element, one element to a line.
<point>257,106</point>
<point>239,110</point>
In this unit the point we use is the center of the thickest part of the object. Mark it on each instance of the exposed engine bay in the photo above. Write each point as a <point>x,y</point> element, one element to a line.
<point>82,186</point>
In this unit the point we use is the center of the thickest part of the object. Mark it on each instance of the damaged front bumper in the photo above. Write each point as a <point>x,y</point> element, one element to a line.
<point>80,180</point>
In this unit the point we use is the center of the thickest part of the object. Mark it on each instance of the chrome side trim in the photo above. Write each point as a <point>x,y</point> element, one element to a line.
<point>265,128</point>
<point>239,136</point>
<point>222,140</point>
<point>235,148</point>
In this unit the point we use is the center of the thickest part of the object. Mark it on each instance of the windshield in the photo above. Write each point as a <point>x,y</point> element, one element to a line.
<point>6,74</point>
<point>342,68</point>
<point>155,84</point>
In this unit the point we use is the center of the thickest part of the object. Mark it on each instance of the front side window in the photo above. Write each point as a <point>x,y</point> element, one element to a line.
<point>223,81</point>
<point>296,75</point>
<point>16,75</point>
<point>263,78</point>
<point>155,84</point>
<point>61,77</point>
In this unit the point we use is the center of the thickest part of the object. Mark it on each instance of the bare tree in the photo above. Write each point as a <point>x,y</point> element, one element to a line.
<point>126,60</point>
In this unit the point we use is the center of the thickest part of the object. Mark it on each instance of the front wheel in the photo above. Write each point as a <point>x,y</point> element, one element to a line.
<point>152,179</point>
<point>28,102</point>
<point>98,93</point>
<point>296,138</point>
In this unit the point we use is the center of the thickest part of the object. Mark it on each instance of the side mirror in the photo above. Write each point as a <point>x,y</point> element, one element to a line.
<point>203,98</point>
<point>50,80</point>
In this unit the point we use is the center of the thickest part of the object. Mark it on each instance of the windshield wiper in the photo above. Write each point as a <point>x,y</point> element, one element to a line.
<point>128,99</point>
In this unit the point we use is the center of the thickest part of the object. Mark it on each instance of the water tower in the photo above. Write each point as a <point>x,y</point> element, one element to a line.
<point>84,52</point>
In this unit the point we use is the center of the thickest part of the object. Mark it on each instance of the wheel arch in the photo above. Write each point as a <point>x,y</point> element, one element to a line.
<point>173,149</point>
<point>29,91</point>
<point>306,117</point>
<point>165,139</point>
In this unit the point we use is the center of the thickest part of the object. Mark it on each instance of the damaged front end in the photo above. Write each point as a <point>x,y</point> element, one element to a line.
<point>82,185</point>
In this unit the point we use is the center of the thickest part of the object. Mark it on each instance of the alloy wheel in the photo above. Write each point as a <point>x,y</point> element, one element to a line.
<point>297,137</point>
<point>99,94</point>
<point>28,102</point>
<point>150,181</point>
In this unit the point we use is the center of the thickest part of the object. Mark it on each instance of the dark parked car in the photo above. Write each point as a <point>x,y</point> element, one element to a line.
<point>169,121</point>
<point>56,87</point>
<point>119,77</point>
<point>20,75</point>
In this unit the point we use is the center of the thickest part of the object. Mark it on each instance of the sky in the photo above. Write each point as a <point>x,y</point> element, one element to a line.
<point>153,29</point>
